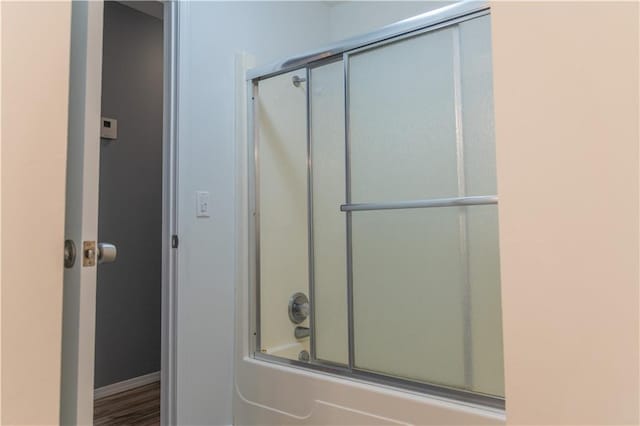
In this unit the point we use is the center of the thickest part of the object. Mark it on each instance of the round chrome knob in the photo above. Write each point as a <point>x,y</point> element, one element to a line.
<point>298,308</point>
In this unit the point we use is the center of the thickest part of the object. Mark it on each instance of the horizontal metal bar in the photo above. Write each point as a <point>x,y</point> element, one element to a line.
<point>421,204</point>
<point>433,17</point>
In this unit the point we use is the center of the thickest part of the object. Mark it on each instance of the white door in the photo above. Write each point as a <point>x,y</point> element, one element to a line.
<point>81,225</point>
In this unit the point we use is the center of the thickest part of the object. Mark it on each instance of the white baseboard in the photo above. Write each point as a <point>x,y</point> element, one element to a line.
<point>126,385</point>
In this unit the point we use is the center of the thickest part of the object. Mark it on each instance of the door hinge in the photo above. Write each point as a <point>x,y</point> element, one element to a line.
<point>174,241</point>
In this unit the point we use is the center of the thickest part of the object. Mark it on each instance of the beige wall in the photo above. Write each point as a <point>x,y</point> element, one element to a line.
<point>35,75</point>
<point>0,217</point>
<point>566,97</point>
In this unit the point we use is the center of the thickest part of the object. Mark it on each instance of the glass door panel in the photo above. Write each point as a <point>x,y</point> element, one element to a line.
<point>403,121</point>
<point>426,296</point>
<point>426,284</point>
<point>485,308</point>
<point>282,210</point>
<point>476,106</point>
<point>329,223</point>
<point>408,294</point>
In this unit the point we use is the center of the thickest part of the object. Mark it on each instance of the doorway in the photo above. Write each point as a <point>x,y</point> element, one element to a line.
<point>129,290</point>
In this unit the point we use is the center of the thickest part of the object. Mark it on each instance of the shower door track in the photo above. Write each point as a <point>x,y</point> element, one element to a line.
<point>427,22</point>
<point>410,27</point>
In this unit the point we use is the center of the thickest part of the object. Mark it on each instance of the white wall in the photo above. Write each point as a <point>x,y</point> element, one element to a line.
<point>566,99</point>
<point>35,96</point>
<point>351,18</point>
<point>210,35</point>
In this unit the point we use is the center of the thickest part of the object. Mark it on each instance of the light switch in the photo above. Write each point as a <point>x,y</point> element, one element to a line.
<point>202,204</point>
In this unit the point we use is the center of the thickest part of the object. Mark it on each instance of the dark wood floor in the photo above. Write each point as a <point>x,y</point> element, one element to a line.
<point>139,406</point>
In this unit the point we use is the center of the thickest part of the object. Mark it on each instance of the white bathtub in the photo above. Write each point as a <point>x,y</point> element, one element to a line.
<point>289,350</point>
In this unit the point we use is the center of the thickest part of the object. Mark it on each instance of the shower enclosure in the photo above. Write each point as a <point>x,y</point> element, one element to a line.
<point>373,217</point>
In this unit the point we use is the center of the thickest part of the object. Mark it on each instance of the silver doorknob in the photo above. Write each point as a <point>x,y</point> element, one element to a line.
<point>107,253</point>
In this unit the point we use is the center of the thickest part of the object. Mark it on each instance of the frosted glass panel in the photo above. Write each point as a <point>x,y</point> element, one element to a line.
<point>426,282</point>
<point>477,106</point>
<point>486,312</point>
<point>329,224</point>
<point>282,182</point>
<point>407,289</point>
<point>402,120</point>
<point>427,298</point>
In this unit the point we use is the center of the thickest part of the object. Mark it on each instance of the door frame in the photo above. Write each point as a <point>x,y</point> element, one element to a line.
<point>168,366</point>
<point>91,28</point>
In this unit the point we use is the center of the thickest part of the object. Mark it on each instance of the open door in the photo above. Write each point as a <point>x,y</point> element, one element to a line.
<point>83,251</point>
<point>81,223</point>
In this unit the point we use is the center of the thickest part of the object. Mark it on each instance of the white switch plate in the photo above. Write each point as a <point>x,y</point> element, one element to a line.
<point>202,204</point>
<point>109,128</point>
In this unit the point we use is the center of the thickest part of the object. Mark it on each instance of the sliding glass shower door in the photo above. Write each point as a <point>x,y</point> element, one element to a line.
<point>375,210</point>
<point>420,131</point>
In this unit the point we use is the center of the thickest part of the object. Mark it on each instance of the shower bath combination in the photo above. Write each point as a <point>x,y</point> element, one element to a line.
<point>373,206</point>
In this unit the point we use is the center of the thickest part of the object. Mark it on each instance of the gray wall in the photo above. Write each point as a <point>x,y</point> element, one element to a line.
<point>129,290</point>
